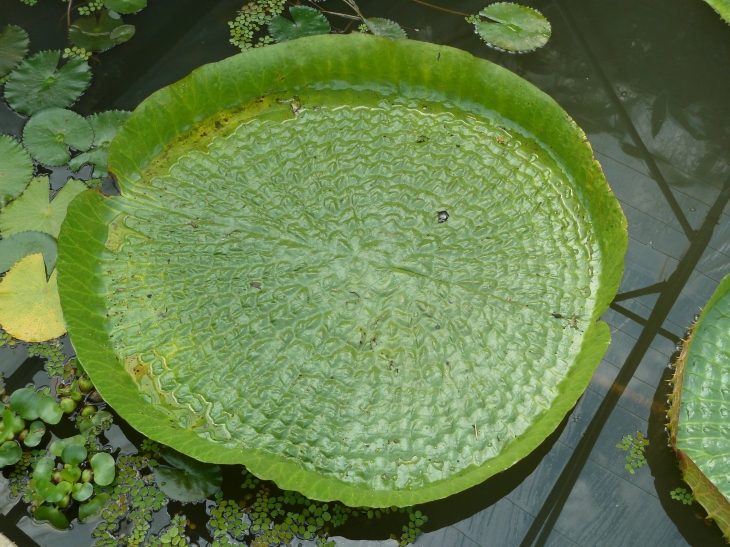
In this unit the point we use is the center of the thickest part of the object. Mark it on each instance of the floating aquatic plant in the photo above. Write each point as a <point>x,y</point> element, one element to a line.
<point>356,327</point>
<point>38,83</point>
<point>185,479</point>
<point>13,48</point>
<point>512,27</point>
<point>307,22</point>
<point>49,134</point>
<point>16,169</point>
<point>249,20</point>
<point>681,494</point>
<point>635,447</point>
<point>699,413</point>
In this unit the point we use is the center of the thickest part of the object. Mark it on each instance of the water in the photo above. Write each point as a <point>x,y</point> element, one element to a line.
<point>648,84</point>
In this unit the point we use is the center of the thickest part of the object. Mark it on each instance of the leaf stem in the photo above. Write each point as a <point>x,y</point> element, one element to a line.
<point>68,13</point>
<point>439,8</point>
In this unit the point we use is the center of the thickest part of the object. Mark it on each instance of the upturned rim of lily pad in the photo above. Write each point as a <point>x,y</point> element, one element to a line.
<point>328,63</point>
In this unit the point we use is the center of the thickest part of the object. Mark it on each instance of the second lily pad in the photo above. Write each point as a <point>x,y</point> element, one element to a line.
<point>513,27</point>
<point>186,479</point>
<point>49,134</point>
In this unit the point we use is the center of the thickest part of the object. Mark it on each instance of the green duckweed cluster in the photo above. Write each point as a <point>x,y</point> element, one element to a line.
<point>226,522</point>
<point>249,481</point>
<point>91,7</point>
<point>20,475</point>
<point>72,52</point>
<point>250,19</point>
<point>172,534</point>
<point>134,498</point>
<point>7,340</point>
<point>635,447</point>
<point>52,352</point>
<point>681,494</point>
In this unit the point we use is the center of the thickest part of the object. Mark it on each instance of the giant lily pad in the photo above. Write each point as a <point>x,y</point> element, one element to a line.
<point>700,413</point>
<point>368,269</point>
<point>722,7</point>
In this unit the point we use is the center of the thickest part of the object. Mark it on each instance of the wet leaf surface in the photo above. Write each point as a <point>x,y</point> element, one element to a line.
<point>513,27</point>
<point>49,134</point>
<point>21,244</point>
<point>16,169</point>
<point>13,47</point>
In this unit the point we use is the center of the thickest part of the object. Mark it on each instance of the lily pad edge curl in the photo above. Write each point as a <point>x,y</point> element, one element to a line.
<point>367,64</point>
<point>703,489</point>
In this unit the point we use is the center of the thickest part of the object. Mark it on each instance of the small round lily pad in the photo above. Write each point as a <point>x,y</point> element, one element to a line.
<point>513,27</point>
<point>13,47</point>
<point>188,480</point>
<point>16,246</point>
<point>307,22</point>
<point>37,84</point>
<point>32,211</point>
<point>385,28</point>
<point>94,33</point>
<point>49,134</point>
<point>29,306</point>
<point>16,169</point>
<point>125,6</point>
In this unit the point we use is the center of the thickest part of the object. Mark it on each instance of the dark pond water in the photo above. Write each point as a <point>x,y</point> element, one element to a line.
<point>649,83</point>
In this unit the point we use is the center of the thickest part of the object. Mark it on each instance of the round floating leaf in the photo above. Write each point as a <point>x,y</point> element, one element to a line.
<point>53,515</point>
<point>125,6</point>
<point>43,468</point>
<point>24,401</point>
<point>189,480</point>
<point>29,305</point>
<point>35,433</point>
<point>372,276</point>
<point>16,169</point>
<point>50,133</point>
<point>93,506</point>
<point>71,475</point>
<point>385,28</point>
<point>307,22</point>
<point>13,47</point>
<point>82,491</point>
<point>701,408</point>
<point>48,409</point>
<point>722,7</point>
<point>36,84</point>
<point>104,470</point>
<point>19,245</point>
<point>57,447</point>
<point>10,453</point>
<point>74,454</point>
<point>94,33</point>
<point>32,211</point>
<point>513,27</point>
<point>122,34</point>
<point>105,126</point>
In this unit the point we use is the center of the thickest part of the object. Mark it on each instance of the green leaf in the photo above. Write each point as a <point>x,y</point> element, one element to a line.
<point>57,447</point>
<point>13,47</point>
<point>346,270</point>
<point>385,28</point>
<point>701,394</point>
<point>29,306</point>
<point>74,454</point>
<point>82,491</point>
<point>189,480</point>
<point>43,468</point>
<point>104,469</point>
<point>122,34</point>
<point>513,27</point>
<point>722,7</point>
<point>31,211</point>
<point>36,84</point>
<point>53,515</point>
<point>52,493</point>
<point>35,433</point>
<point>16,169</point>
<point>24,402</point>
<point>93,33</point>
<point>49,134</point>
<point>71,475</point>
<point>49,411</point>
<point>17,246</point>
<point>105,126</point>
<point>307,22</point>
<point>125,6</point>
<point>10,453</point>
<point>93,506</point>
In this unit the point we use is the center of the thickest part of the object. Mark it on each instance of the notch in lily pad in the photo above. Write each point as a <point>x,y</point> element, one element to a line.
<point>512,27</point>
<point>307,22</point>
<point>186,479</point>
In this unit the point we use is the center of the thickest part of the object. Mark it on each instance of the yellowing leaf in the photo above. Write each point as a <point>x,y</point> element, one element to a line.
<point>32,211</point>
<point>29,307</point>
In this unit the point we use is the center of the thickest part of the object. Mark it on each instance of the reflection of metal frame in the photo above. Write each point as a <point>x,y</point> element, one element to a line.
<point>668,291</point>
